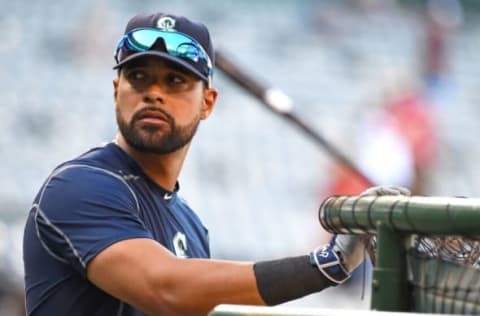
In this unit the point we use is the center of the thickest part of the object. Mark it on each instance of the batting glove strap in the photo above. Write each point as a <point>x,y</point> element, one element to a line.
<point>329,263</point>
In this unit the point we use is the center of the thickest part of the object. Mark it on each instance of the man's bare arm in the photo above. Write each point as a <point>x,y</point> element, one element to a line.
<point>146,275</point>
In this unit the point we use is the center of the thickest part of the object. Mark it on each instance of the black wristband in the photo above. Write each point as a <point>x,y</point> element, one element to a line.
<point>283,280</point>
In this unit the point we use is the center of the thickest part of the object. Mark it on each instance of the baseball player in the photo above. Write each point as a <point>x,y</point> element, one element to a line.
<point>108,234</point>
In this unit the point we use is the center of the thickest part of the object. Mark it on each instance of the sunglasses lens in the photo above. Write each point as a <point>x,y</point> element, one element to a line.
<point>142,40</point>
<point>176,44</point>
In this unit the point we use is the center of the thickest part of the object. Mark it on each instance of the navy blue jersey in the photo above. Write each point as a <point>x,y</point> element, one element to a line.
<point>86,205</point>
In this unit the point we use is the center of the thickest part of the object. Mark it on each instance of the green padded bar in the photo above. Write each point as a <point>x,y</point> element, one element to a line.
<point>416,214</point>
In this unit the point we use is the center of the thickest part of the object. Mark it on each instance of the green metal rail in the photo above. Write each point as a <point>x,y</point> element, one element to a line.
<point>417,215</point>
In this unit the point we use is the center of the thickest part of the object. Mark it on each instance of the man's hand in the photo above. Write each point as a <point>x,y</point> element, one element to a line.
<point>339,257</point>
<point>370,240</point>
<point>386,190</point>
<point>344,253</point>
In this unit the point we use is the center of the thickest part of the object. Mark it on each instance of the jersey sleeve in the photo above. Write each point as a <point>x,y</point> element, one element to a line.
<point>82,210</point>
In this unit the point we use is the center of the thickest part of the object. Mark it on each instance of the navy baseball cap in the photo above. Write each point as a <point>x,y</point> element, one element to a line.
<point>171,37</point>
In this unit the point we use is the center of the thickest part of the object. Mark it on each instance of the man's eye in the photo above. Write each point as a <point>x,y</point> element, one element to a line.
<point>136,75</point>
<point>175,79</point>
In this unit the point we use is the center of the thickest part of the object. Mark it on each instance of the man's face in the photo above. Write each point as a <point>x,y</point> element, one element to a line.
<point>159,105</point>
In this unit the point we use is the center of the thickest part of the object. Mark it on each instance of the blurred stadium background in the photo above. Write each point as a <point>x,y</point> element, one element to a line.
<point>256,181</point>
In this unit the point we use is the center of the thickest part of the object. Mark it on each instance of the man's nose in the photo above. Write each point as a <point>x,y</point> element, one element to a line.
<point>153,94</point>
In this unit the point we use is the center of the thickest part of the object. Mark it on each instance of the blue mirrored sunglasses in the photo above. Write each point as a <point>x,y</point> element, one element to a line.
<point>177,45</point>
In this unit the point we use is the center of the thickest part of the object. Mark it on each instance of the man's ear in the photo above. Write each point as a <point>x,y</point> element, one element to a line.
<point>209,99</point>
<point>115,88</point>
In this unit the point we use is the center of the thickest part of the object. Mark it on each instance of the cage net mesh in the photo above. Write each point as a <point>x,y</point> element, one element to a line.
<point>444,275</point>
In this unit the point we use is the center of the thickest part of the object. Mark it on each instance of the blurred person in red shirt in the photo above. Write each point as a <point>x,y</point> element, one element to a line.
<point>397,142</point>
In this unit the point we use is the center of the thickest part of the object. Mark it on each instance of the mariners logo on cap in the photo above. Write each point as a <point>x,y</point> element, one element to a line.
<point>166,23</point>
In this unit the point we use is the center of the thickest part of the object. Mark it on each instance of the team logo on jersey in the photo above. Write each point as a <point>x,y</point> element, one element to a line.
<point>166,23</point>
<point>180,245</point>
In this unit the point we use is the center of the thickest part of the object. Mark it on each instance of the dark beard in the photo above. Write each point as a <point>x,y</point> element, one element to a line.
<point>149,139</point>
